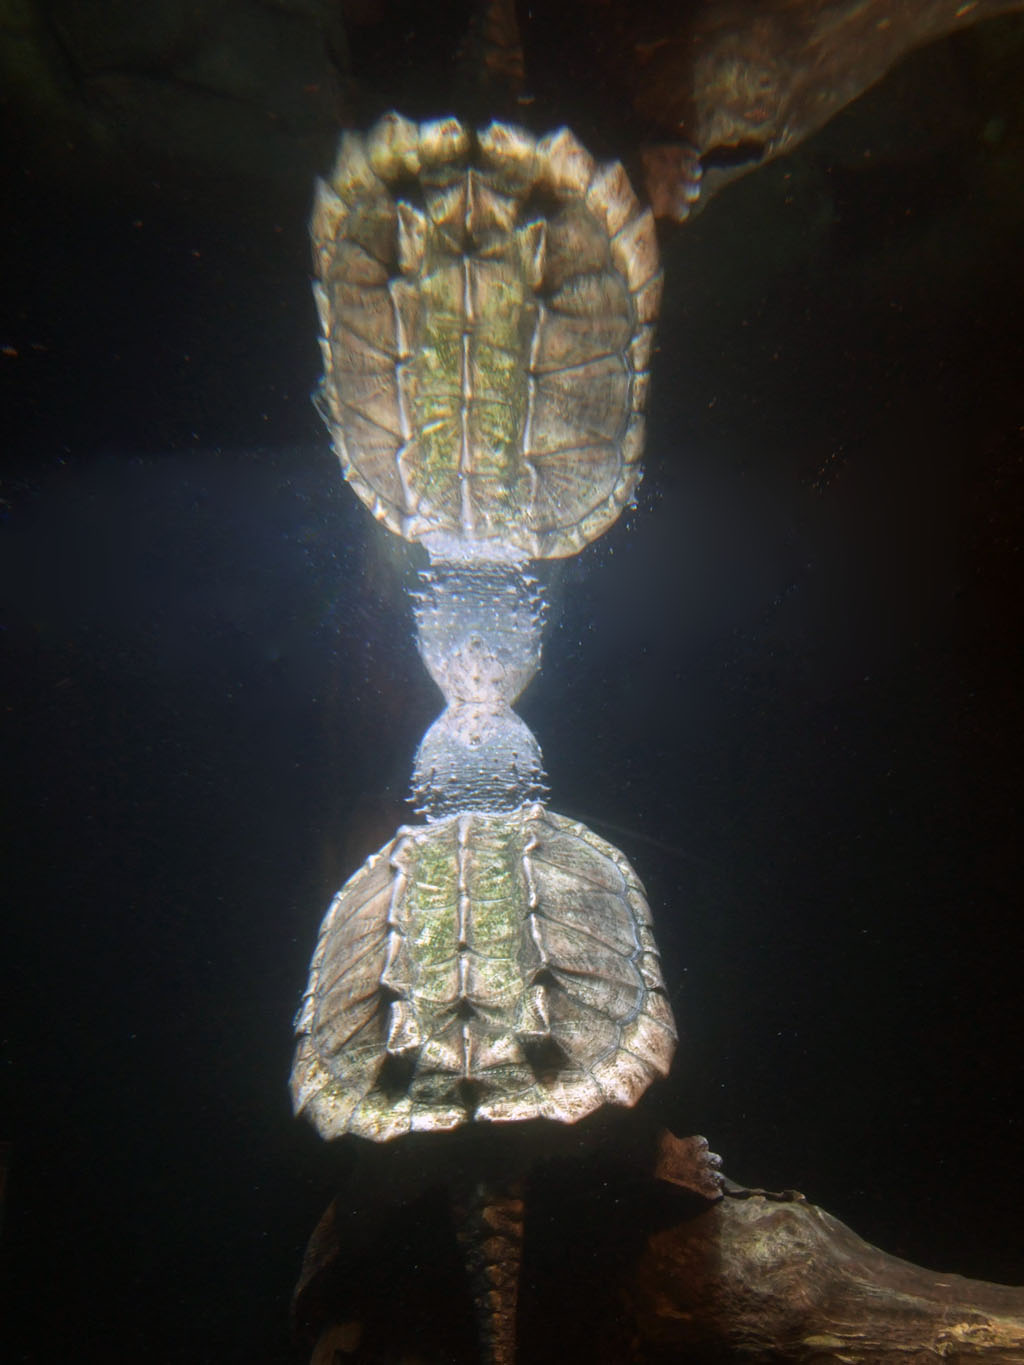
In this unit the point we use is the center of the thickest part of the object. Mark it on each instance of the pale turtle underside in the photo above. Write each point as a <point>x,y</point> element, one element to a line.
<point>483,968</point>
<point>486,303</point>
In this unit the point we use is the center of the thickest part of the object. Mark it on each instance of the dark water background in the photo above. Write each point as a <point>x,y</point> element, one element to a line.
<point>787,685</point>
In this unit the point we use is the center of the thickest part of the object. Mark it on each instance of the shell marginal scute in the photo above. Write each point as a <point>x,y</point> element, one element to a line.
<point>485,968</point>
<point>473,289</point>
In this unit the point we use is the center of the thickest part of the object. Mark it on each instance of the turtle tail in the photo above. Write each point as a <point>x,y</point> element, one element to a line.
<point>491,70</point>
<point>489,1226</point>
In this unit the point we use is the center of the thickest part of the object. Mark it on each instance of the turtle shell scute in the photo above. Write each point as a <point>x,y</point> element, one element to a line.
<point>485,302</point>
<point>484,968</point>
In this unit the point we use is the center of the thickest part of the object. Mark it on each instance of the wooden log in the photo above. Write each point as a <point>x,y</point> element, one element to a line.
<point>759,1276</point>
<point>734,83</point>
<point>758,1279</point>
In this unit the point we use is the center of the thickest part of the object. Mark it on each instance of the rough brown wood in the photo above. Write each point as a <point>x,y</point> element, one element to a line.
<point>759,1277</point>
<point>738,82</point>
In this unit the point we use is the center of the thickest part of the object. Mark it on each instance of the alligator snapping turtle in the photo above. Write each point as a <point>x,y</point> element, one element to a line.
<point>487,303</point>
<point>485,967</point>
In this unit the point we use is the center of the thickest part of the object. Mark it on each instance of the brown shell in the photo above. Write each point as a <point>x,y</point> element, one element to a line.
<point>486,303</point>
<point>487,968</point>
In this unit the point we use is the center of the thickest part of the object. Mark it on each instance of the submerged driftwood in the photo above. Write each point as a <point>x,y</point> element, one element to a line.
<point>732,84</point>
<point>759,1276</point>
<point>676,1264</point>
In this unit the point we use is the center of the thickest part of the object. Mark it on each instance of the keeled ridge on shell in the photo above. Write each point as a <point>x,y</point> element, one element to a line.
<point>483,968</point>
<point>510,285</point>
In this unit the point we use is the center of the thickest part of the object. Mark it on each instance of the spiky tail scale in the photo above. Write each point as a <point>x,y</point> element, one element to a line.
<point>489,1226</point>
<point>492,72</point>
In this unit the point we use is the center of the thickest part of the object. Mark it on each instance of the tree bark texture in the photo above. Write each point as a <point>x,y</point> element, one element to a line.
<point>735,83</point>
<point>754,1279</point>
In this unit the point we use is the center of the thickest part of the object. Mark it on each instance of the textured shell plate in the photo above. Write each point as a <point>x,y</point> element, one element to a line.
<point>486,303</point>
<point>485,968</point>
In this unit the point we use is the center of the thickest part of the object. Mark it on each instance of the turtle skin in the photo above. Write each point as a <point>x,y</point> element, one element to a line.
<point>486,303</point>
